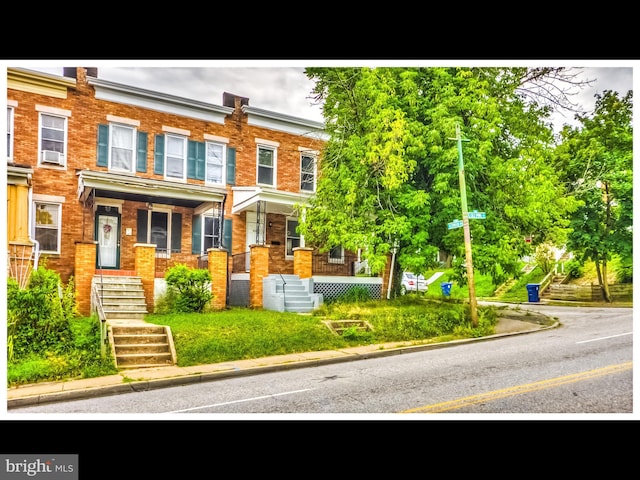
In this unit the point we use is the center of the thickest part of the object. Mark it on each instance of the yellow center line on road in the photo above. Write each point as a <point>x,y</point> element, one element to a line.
<point>511,391</point>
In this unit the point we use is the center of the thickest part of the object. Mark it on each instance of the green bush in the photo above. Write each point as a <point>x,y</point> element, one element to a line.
<point>40,314</point>
<point>188,289</point>
<point>574,268</point>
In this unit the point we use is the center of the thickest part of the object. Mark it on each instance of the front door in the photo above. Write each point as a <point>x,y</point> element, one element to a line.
<point>108,237</point>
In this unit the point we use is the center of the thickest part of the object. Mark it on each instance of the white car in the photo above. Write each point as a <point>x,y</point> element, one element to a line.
<point>412,283</point>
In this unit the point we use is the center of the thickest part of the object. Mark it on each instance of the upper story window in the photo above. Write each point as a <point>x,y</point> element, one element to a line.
<point>267,165</point>
<point>307,172</point>
<point>10,133</point>
<point>215,163</point>
<point>47,226</point>
<point>175,157</point>
<point>122,148</point>
<point>53,139</point>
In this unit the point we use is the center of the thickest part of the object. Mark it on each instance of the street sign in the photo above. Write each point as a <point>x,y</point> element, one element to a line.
<point>454,224</point>
<point>477,215</point>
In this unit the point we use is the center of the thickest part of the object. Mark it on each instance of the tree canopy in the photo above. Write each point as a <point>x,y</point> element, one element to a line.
<point>389,173</point>
<point>596,164</point>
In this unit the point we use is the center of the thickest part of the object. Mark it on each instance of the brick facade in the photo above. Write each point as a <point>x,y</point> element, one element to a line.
<point>76,99</point>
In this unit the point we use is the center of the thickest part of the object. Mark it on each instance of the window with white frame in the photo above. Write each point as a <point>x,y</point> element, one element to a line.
<point>9,133</point>
<point>336,255</point>
<point>176,157</point>
<point>122,148</point>
<point>293,237</point>
<point>266,165</point>
<point>307,172</point>
<point>47,226</point>
<point>53,139</point>
<point>215,163</point>
<point>210,233</point>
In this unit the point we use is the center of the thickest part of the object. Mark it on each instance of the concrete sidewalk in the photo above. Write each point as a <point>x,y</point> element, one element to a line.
<point>136,380</point>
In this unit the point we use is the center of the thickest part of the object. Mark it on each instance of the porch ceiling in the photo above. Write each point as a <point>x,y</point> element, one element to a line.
<point>276,201</point>
<point>129,187</point>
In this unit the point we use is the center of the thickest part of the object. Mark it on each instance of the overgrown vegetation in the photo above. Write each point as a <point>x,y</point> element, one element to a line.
<point>46,340</point>
<point>73,350</point>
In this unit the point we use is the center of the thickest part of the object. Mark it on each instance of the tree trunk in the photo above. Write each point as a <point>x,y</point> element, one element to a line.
<point>601,270</point>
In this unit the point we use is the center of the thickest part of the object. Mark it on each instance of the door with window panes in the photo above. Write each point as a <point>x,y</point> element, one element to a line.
<point>107,235</point>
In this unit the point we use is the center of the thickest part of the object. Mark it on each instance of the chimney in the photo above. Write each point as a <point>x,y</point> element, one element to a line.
<point>72,72</point>
<point>229,100</point>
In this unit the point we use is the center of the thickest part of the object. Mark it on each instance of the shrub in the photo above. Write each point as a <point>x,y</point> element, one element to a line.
<point>40,317</point>
<point>191,286</point>
<point>574,268</point>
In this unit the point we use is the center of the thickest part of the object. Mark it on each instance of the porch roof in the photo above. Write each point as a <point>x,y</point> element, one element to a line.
<point>277,201</point>
<point>130,187</point>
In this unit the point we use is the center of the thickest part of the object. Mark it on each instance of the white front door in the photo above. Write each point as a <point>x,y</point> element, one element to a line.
<point>255,233</point>
<point>108,234</point>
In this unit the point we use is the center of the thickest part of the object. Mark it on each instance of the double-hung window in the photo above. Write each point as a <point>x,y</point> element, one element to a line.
<point>47,226</point>
<point>210,233</point>
<point>161,227</point>
<point>123,148</point>
<point>307,172</point>
<point>267,165</point>
<point>293,237</point>
<point>215,163</point>
<point>53,139</point>
<point>10,133</point>
<point>176,157</point>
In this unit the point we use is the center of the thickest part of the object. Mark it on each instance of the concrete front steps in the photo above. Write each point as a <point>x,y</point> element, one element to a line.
<point>289,293</point>
<point>139,345</point>
<point>134,343</point>
<point>122,297</point>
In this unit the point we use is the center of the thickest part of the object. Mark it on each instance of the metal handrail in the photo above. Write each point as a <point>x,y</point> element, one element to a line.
<point>102,317</point>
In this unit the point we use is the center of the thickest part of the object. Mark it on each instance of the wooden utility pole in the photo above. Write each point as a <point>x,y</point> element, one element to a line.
<point>467,233</point>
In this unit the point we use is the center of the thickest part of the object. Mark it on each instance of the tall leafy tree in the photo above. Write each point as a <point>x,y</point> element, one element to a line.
<point>389,174</point>
<point>596,159</point>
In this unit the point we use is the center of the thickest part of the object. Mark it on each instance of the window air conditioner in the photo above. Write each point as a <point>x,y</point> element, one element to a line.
<point>50,156</point>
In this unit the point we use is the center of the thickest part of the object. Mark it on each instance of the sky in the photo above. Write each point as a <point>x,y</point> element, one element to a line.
<point>283,87</point>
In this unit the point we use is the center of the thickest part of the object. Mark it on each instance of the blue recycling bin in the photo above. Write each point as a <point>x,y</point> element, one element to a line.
<point>446,288</point>
<point>533,290</point>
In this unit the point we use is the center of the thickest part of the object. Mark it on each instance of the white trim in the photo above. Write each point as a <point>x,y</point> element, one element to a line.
<point>269,143</point>
<point>55,111</point>
<point>12,103</point>
<point>38,197</point>
<point>341,279</point>
<point>215,138</point>
<point>308,151</point>
<point>108,202</point>
<point>126,121</point>
<point>179,131</point>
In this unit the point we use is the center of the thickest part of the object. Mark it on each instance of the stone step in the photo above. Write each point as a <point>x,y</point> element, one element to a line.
<point>142,348</point>
<point>139,360</point>
<point>141,345</point>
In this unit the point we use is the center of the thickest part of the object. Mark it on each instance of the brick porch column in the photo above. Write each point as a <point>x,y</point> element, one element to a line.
<point>218,269</point>
<point>259,268</point>
<point>302,262</point>
<point>84,270</point>
<point>145,266</point>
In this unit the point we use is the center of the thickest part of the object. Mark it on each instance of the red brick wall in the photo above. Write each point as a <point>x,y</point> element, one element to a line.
<point>87,113</point>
